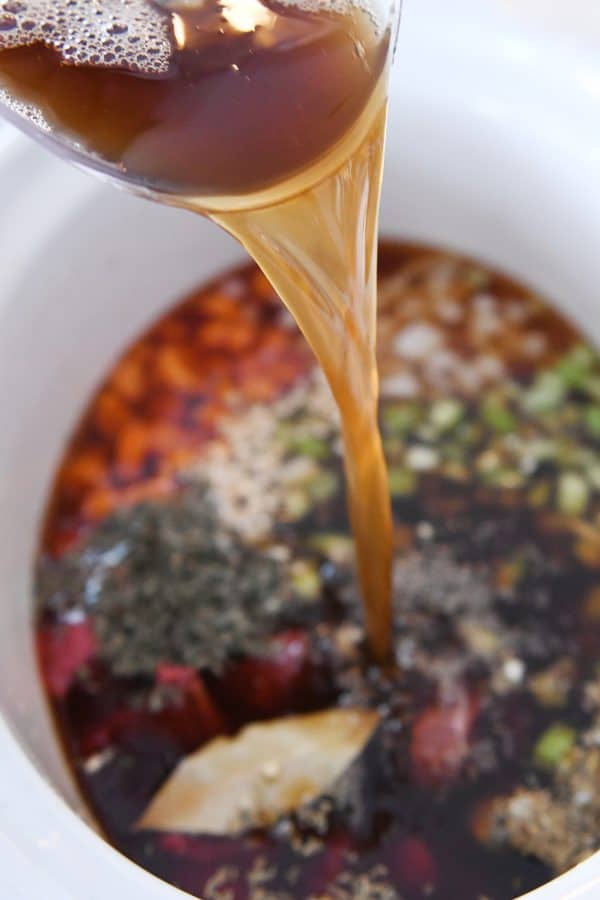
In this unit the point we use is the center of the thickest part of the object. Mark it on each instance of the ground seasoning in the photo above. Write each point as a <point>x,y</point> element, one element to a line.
<point>166,582</point>
<point>561,822</point>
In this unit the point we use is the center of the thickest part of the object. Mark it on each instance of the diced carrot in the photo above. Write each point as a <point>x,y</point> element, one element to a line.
<point>99,503</point>
<point>176,370</point>
<point>133,443</point>
<point>129,377</point>
<point>110,412</point>
<point>85,469</point>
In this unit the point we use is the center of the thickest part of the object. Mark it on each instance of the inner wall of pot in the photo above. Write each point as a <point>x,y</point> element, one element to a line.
<point>94,270</point>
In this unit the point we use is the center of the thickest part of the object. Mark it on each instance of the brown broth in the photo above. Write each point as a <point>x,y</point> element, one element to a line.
<point>489,570</point>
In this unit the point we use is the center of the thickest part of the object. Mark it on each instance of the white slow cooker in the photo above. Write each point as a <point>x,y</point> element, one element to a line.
<point>494,149</point>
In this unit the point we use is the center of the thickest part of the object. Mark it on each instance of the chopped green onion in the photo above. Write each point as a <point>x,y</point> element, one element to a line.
<point>402,481</point>
<point>572,494</point>
<point>446,414</point>
<point>545,394</point>
<point>496,414</point>
<point>399,420</point>
<point>553,745</point>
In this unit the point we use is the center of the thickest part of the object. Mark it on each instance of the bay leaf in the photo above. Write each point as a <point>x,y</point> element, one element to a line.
<point>266,770</point>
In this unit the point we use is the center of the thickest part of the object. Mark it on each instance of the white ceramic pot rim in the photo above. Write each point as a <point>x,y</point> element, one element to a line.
<point>46,850</point>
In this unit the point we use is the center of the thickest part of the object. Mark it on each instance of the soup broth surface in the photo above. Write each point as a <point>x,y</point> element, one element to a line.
<point>197,583</point>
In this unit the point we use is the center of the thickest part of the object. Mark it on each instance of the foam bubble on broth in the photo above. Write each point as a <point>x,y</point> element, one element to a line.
<point>126,34</point>
<point>325,7</point>
<point>136,36</point>
<point>341,8</point>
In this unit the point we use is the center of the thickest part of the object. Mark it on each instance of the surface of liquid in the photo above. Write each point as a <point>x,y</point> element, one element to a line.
<point>282,111</point>
<point>496,694</point>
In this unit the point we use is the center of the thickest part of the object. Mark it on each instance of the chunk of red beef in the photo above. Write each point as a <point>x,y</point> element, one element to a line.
<point>440,738</point>
<point>273,685</point>
<point>63,650</point>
